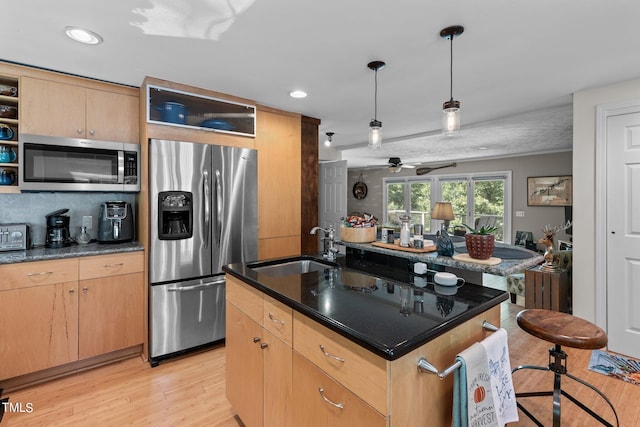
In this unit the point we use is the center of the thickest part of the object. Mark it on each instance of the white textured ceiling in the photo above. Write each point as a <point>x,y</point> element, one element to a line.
<point>515,67</point>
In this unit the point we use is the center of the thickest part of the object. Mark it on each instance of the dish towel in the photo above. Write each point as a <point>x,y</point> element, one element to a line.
<point>483,391</point>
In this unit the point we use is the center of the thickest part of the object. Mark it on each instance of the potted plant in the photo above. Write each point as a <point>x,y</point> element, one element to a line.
<point>480,242</point>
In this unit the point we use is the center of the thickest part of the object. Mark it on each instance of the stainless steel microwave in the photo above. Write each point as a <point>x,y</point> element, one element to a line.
<point>71,164</point>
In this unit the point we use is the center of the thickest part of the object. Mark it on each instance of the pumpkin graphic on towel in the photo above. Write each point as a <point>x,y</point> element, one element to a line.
<point>479,394</point>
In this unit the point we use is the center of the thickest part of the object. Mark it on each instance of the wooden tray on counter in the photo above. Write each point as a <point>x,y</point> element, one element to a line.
<point>467,258</point>
<point>400,248</point>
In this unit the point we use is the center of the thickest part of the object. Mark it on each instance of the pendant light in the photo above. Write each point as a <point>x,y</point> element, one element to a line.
<point>375,126</point>
<point>327,142</point>
<point>451,108</point>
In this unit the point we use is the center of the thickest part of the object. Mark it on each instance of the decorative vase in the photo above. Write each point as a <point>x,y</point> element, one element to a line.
<point>480,246</point>
<point>444,244</point>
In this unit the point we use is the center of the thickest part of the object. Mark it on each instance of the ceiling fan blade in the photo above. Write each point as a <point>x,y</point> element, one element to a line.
<point>424,171</point>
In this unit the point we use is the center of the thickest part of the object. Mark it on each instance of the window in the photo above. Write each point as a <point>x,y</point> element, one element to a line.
<point>477,199</point>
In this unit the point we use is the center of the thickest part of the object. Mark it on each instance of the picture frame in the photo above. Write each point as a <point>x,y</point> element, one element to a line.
<point>522,237</point>
<point>565,246</point>
<point>550,190</point>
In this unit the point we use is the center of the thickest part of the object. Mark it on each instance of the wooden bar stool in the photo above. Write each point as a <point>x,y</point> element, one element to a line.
<point>571,331</point>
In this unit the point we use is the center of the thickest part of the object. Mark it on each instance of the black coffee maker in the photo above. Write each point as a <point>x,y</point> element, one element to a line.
<point>58,235</point>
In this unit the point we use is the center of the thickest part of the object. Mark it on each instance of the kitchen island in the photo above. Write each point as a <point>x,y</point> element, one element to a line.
<point>334,345</point>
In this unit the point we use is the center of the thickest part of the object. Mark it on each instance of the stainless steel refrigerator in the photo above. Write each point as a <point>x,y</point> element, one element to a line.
<point>203,215</point>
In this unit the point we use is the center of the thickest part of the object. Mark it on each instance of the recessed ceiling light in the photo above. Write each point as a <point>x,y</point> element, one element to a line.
<point>298,94</point>
<point>83,36</point>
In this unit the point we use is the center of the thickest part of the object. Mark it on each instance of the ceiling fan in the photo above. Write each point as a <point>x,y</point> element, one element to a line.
<point>395,165</point>
<point>424,171</point>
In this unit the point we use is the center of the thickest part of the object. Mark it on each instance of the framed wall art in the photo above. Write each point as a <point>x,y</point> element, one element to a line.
<point>550,190</point>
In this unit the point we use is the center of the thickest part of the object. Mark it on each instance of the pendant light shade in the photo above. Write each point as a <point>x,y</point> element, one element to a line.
<point>375,126</point>
<point>451,108</point>
<point>375,134</point>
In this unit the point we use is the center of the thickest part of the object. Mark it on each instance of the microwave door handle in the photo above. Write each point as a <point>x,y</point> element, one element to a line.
<point>207,215</point>
<point>120,167</point>
<point>219,206</point>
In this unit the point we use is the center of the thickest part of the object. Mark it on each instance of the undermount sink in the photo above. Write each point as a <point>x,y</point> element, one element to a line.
<point>292,267</point>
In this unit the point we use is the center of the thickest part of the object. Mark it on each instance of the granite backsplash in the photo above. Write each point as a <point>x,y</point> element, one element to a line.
<point>31,208</point>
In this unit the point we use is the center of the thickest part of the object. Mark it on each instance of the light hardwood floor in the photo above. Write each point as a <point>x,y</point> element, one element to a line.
<point>191,391</point>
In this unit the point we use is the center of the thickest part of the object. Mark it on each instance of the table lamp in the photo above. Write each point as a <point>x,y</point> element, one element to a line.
<point>443,211</point>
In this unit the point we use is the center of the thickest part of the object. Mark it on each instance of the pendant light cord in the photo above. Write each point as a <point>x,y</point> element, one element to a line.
<point>451,69</point>
<point>375,97</point>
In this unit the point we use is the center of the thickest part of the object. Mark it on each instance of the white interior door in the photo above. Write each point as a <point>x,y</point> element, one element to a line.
<point>623,233</point>
<point>332,197</point>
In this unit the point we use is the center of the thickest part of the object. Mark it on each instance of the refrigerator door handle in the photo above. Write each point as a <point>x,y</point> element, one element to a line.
<point>219,206</point>
<point>207,215</point>
<point>196,287</point>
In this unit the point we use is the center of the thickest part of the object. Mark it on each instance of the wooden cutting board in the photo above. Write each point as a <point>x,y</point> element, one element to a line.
<point>401,248</point>
<point>467,258</point>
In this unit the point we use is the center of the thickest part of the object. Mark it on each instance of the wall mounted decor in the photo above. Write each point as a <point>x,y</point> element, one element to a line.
<point>360,189</point>
<point>550,191</point>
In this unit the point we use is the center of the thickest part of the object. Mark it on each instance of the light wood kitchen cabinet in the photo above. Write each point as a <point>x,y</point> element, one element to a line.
<point>111,303</point>
<point>75,111</point>
<point>258,363</point>
<point>39,316</point>
<point>244,367</point>
<point>60,314</point>
<point>319,400</point>
<point>279,183</point>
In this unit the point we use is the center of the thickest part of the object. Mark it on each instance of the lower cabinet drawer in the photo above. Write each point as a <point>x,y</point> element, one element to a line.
<point>320,401</point>
<point>359,370</point>
<point>38,273</point>
<point>94,267</point>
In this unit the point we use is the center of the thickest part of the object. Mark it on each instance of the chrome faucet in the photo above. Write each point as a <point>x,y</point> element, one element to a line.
<point>329,235</point>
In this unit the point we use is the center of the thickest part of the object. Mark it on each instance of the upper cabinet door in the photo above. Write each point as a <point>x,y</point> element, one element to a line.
<point>112,116</point>
<point>52,108</point>
<point>62,109</point>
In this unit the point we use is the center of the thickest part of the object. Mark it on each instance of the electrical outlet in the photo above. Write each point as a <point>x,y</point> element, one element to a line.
<point>87,221</point>
<point>519,213</point>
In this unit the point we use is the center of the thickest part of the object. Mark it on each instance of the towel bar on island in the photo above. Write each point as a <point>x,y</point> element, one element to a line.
<point>425,367</point>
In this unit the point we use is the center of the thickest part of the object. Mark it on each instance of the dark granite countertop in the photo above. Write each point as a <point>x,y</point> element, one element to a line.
<point>365,308</point>
<point>75,250</point>
<point>522,258</point>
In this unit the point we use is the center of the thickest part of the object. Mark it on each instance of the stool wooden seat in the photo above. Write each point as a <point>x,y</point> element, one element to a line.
<point>562,329</point>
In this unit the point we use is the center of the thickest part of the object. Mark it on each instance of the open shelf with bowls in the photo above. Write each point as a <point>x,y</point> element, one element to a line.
<point>8,134</point>
<point>176,108</point>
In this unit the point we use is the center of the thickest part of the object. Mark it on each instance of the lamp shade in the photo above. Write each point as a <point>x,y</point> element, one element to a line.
<point>443,211</point>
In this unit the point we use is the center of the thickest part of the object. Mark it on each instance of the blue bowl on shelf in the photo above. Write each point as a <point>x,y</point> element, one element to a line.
<point>216,124</point>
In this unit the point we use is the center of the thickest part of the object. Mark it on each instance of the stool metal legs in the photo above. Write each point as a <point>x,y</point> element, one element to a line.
<point>558,365</point>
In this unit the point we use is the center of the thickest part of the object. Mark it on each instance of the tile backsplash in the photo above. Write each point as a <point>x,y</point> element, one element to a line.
<point>31,208</point>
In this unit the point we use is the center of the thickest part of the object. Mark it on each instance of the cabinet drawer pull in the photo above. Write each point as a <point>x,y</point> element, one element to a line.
<point>43,273</point>
<point>274,320</point>
<point>264,345</point>
<point>85,289</point>
<point>71,291</point>
<point>110,266</point>
<point>337,405</point>
<point>256,339</point>
<point>39,277</point>
<point>339,359</point>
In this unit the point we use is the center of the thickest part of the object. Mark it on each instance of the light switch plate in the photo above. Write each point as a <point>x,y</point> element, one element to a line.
<point>87,221</point>
<point>519,213</point>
